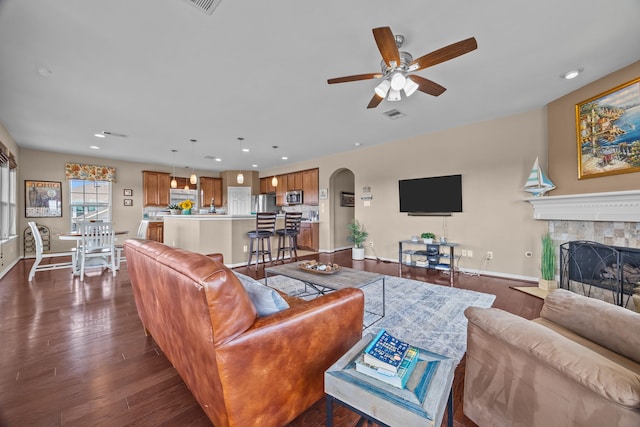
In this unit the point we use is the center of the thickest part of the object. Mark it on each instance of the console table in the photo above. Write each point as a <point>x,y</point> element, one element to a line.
<point>431,254</point>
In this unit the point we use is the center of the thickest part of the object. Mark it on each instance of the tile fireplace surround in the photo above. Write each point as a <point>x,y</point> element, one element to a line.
<point>609,218</point>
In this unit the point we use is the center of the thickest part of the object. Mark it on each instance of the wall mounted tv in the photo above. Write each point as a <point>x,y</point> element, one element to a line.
<point>439,195</point>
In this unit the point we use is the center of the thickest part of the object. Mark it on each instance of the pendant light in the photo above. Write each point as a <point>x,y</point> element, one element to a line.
<point>274,181</point>
<point>240,178</point>
<point>174,182</point>
<point>193,178</point>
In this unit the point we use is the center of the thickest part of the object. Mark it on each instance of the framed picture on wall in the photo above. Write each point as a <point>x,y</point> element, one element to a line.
<point>347,199</point>
<point>608,132</point>
<point>42,199</point>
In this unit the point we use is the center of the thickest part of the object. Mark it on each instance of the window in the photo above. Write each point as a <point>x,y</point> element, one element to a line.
<point>90,200</point>
<point>8,208</point>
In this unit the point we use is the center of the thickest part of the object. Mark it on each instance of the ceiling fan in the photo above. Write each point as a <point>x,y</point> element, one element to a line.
<point>397,67</point>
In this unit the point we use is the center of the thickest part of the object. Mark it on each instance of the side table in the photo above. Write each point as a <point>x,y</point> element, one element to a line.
<point>387,405</point>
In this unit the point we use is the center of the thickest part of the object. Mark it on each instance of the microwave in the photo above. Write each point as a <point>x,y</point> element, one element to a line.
<point>293,197</point>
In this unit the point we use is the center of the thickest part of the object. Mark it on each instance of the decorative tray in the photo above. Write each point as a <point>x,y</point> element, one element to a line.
<point>318,268</point>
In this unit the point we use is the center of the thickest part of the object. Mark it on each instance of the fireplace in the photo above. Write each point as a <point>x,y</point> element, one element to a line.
<point>602,271</point>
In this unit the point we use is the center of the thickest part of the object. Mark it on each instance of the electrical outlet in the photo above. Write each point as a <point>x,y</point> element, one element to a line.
<point>469,253</point>
<point>464,252</point>
<point>489,255</point>
<point>244,248</point>
<point>370,244</point>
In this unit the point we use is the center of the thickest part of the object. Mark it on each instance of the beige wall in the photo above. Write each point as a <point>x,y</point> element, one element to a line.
<point>563,151</point>
<point>494,158</point>
<point>49,166</point>
<point>10,249</point>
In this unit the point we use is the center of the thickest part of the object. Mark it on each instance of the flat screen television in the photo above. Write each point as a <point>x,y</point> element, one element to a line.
<point>431,196</point>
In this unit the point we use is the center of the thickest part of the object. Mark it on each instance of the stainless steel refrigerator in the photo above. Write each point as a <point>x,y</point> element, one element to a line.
<point>264,203</point>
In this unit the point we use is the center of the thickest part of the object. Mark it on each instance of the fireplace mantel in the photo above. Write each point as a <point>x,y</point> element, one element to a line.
<point>623,206</point>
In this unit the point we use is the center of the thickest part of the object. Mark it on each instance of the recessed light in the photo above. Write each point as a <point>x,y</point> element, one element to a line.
<point>218,159</point>
<point>99,135</point>
<point>357,144</point>
<point>285,158</point>
<point>246,150</point>
<point>95,147</point>
<point>254,166</point>
<point>572,74</point>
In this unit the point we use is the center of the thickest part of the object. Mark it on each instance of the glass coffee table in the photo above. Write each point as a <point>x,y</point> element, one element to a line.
<point>322,283</point>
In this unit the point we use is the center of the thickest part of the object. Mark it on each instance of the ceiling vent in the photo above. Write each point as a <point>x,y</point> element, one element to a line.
<point>393,114</point>
<point>206,6</point>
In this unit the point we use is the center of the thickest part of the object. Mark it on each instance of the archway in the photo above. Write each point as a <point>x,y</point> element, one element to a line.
<point>341,181</point>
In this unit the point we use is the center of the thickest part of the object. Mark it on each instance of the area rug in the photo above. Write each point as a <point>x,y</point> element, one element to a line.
<point>425,315</point>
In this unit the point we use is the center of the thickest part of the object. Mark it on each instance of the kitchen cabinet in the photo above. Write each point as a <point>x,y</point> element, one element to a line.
<point>155,188</point>
<point>210,187</point>
<point>155,231</point>
<point>294,181</point>
<point>309,236</point>
<point>184,182</point>
<point>310,179</point>
<point>281,190</point>
<point>265,185</point>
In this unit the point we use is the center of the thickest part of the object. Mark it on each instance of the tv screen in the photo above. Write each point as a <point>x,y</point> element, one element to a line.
<point>440,194</point>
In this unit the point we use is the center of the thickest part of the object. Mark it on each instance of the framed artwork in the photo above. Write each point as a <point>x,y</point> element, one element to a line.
<point>128,202</point>
<point>324,194</point>
<point>347,199</point>
<point>608,132</point>
<point>42,199</point>
<point>128,192</point>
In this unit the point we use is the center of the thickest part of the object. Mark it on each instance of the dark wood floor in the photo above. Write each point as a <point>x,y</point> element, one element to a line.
<point>74,354</point>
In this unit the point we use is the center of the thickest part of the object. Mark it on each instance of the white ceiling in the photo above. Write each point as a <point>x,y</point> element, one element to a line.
<point>162,72</point>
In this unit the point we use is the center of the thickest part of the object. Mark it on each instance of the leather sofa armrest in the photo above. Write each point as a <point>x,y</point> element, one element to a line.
<point>217,257</point>
<point>284,356</point>
<point>594,371</point>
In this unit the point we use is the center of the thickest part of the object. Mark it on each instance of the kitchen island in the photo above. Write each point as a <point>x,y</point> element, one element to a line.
<point>214,233</point>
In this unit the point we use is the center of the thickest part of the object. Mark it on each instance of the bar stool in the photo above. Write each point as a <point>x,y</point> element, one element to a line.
<point>265,229</point>
<point>288,236</point>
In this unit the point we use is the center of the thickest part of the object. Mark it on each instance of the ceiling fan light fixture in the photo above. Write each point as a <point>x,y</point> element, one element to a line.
<point>382,89</point>
<point>410,87</point>
<point>398,81</point>
<point>394,95</point>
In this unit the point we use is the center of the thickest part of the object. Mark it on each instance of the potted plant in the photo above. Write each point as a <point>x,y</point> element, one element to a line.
<point>548,264</point>
<point>186,206</point>
<point>357,236</point>
<point>428,237</point>
<point>175,209</point>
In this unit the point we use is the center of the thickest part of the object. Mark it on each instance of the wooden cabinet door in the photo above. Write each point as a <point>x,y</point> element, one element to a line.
<point>281,189</point>
<point>310,186</point>
<point>264,186</point>
<point>304,238</point>
<point>155,188</point>
<point>210,187</point>
<point>297,181</point>
<point>155,231</point>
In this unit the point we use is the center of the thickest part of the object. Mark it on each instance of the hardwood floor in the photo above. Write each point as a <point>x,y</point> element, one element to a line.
<point>74,354</point>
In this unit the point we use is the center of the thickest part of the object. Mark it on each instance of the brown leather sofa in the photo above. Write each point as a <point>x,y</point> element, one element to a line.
<point>244,370</point>
<point>578,364</point>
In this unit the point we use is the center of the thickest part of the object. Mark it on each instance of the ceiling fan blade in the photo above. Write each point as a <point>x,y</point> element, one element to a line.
<point>427,86</point>
<point>387,45</point>
<point>354,78</point>
<point>444,54</point>
<point>375,101</point>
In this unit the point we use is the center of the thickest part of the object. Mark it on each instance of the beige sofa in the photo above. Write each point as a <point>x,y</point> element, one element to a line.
<point>578,364</point>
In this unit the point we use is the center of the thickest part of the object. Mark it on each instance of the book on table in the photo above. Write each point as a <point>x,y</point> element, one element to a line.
<point>398,379</point>
<point>386,352</point>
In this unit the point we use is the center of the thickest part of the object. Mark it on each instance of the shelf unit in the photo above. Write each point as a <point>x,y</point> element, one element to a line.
<point>427,255</point>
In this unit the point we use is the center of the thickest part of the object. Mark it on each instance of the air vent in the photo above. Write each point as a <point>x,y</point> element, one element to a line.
<point>206,6</point>
<point>119,135</point>
<point>208,157</point>
<point>393,114</point>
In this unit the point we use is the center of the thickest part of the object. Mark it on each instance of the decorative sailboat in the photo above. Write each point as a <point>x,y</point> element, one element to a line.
<point>537,184</point>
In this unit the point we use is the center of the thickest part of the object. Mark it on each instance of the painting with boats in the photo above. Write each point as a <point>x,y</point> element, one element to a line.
<point>608,132</point>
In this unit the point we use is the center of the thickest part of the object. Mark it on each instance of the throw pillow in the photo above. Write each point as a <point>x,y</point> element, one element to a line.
<point>266,300</point>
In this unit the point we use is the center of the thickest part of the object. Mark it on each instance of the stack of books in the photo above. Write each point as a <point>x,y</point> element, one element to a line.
<point>388,359</point>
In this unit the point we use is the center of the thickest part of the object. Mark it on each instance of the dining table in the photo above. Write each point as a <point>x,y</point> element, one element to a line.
<point>77,237</point>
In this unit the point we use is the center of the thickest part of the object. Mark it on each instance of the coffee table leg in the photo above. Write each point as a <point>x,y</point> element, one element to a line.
<point>329,422</point>
<point>450,409</point>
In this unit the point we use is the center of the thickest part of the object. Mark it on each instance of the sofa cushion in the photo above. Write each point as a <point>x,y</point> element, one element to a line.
<point>266,300</point>
<point>613,327</point>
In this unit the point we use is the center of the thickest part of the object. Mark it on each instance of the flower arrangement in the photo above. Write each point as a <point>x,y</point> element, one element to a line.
<point>186,205</point>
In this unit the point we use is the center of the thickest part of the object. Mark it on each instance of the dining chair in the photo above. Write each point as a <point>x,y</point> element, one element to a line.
<point>288,236</point>
<point>97,243</point>
<point>265,229</point>
<point>40,255</point>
